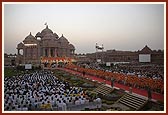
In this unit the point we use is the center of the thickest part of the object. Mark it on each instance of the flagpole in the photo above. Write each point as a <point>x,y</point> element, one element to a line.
<point>46,24</point>
<point>102,54</point>
<point>96,52</point>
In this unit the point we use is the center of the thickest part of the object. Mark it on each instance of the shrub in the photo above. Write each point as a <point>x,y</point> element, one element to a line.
<point>87,85</point>
<point>111,97</point>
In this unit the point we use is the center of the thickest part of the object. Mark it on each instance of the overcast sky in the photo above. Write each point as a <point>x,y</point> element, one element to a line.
<point>116,26</point>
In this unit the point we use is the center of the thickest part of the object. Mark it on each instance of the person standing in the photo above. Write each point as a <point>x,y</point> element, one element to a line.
<point>149,93</point>
<point>84,73</point>
<point>130,90</point>
<point>112,82</point>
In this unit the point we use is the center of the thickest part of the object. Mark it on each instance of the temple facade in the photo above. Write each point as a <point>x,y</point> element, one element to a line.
<point>44,44</point>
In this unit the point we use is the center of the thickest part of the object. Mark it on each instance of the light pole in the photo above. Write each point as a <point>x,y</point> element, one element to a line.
<point>96,51</point>
<point>99,48</point>
<point>102,54</point>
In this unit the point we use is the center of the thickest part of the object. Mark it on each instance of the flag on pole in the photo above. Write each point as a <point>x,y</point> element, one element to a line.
<point>99,47</point>
<point>45,23</point>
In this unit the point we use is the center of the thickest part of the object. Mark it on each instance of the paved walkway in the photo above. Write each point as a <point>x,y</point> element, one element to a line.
<point>155,96</point>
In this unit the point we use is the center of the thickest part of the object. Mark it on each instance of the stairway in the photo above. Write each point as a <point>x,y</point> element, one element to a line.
<point>133,101</point>
<point>103,89</point>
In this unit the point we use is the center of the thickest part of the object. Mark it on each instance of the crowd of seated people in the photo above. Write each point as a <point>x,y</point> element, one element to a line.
<point>41,91</point>
<point>126,77</point>
<point>149,70</point>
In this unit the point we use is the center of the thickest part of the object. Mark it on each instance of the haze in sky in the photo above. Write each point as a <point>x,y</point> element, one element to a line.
<point>116,26</point>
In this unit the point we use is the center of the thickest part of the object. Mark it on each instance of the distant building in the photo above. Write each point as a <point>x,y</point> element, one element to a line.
<point>82,58</point>
<point>114,56</point>
<point>44,44</point>
<point>10,59</point>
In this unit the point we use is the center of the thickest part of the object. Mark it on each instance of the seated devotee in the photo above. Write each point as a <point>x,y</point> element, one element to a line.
<point>19,108</point>
<point>99,102</point>
<point>24,108</point>
<point>48,106</point>
<point>60,105</point>
<point>64,106</point>
<point>77,102</point>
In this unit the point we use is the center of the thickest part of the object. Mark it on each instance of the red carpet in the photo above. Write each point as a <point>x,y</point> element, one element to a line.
<point>142,92</point>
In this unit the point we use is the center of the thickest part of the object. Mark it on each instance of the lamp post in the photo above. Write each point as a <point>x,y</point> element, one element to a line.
<point>99,48</point>
<point>96,51</point>
<point>102,54</point>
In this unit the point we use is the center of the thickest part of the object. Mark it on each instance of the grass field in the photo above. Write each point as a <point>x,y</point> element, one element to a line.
<point>9,71</point>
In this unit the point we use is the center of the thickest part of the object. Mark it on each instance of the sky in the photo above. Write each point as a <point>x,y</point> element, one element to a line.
<point>127,27</point>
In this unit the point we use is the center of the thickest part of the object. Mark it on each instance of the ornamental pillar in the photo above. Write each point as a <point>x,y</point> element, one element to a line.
<point>55,52</point>
<point>18,51</point>
<point>44,52</point>
<point>49,52</point>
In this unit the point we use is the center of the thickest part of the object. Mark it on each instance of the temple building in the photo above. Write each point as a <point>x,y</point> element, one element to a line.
<point>45,44</point>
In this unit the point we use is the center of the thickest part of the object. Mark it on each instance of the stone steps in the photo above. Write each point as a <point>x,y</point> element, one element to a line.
<point>132,101</point>
<point>103,89</point>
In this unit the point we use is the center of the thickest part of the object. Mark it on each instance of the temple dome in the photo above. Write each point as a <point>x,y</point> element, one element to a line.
<point>71,47</point>
<point>48,36</point>
<point>38,35</point>
<point>46,31</point>
<point>62,39</point>
<point>29,39</point>
<point>20,45</point>
<point>56,36</point>
<point>30,36</point>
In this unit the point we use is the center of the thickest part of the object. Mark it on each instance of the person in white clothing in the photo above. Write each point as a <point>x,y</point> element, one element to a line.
<point>24,108</point>
<point>82,101</point>
<point>64,106</point>
<point>60,105</point>
<point>19,108</point>
<point>77,102</point>
<point>99,103</point>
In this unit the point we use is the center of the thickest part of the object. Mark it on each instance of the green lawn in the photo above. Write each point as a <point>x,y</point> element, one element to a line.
<point>8,72</point>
